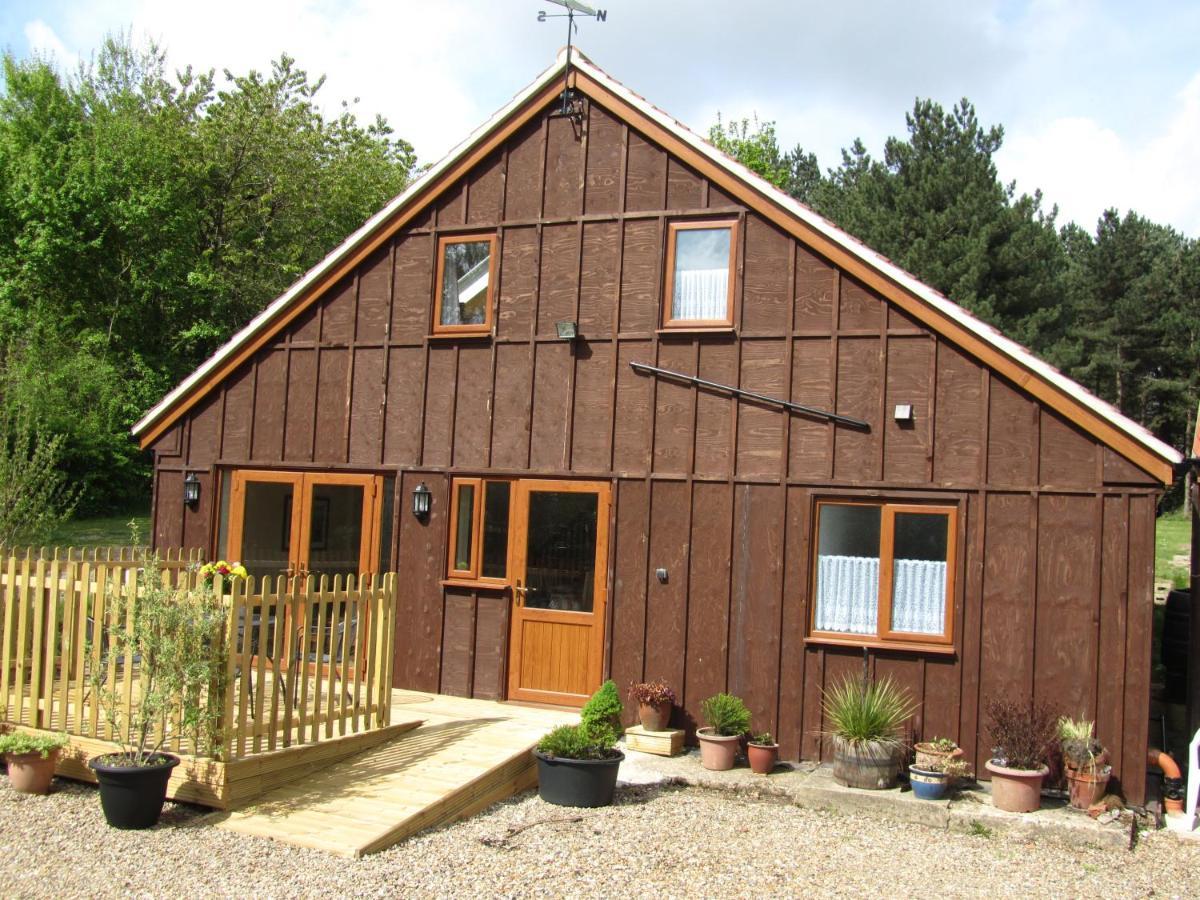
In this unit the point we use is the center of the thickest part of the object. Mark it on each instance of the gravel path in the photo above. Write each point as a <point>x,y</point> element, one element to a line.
<point>669,841</point>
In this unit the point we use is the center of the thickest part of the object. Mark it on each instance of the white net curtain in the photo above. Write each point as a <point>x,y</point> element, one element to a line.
<point>701,294</point>
<point>848,592</point>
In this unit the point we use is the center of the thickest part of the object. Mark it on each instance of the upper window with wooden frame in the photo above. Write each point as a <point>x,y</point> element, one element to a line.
<point>700,274</point>
<point>480,512</point>
<point>884,574</point>
<point>465,284</point>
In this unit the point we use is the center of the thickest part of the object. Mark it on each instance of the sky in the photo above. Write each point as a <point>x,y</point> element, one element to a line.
<point>1100,101</point>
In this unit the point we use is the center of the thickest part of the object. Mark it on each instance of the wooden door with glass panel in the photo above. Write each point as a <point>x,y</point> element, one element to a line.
<point>300,523</point>
<point>558,560</point>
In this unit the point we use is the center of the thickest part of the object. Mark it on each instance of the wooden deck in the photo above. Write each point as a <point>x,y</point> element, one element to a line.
<point>465,756</point>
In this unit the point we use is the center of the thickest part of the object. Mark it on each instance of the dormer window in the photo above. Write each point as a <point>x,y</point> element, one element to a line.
<point>700,274</point>
<point>464,279</point>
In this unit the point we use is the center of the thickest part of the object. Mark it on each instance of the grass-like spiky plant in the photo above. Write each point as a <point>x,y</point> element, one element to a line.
<point>861,713</point>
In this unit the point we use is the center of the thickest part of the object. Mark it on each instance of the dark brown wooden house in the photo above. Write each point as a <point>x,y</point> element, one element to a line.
<point>969,521</point>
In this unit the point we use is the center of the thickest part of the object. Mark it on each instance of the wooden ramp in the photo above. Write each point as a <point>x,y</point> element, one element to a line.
<point>465,756</point>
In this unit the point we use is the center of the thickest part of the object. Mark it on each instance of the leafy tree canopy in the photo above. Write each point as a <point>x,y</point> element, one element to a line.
<point>145,216</point>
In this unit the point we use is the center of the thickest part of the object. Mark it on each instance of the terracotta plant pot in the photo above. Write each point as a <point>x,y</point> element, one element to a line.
<point>718,751</point>
<point>1016,790</point>
<point>872,766</point>
<point>762,757</point>
<point>654,717</point>
<point>929,758</point>
<point>30,773</point>
<point>1087,786</point>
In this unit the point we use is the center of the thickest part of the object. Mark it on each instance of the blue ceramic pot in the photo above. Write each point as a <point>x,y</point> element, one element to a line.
<point>928,785</point>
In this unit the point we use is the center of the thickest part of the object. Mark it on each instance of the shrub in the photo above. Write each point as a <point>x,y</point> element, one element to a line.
<point>859,713</point>
<point>19,743</point>
<point>580,741</point>
<point>653,693</point>
<point>1022,733</point>
<point>603,708</point>
<point>35,497</point>
<point>726,715</point>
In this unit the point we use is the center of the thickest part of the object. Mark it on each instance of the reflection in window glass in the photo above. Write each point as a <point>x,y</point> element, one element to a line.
<point>495,529</point>
<point>465,267</point>
<point>462,531</point>
<point>848,569</point>
<point>919,573</point>
<point>700,282</point>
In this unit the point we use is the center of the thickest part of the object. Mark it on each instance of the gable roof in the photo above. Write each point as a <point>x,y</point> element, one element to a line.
<point>922,302</point>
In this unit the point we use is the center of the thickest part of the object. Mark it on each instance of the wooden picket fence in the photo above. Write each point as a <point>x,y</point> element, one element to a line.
<point>307,660</point>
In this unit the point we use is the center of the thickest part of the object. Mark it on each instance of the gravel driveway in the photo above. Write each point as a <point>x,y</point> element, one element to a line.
<point>666,841</point>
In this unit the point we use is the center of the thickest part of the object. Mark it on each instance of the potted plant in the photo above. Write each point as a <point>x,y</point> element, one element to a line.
<point>1022,734</point>
<point>931,755</point>
<point>762,752</point>
<point>1085,760</point>
<point>31,759</point>
<point>865,722</point>
<point>174,636</point>
<point>727,721</point>
<point>933,781</point>
<point>578,764</point>
<point>654,700</point>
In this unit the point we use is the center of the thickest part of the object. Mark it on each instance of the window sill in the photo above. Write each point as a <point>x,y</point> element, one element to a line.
<point>695,329</point>
<point>459,335</point>
<point>859,644</point>
<point>474,584</point>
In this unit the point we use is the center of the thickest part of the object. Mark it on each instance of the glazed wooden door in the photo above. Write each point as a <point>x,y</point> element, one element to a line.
<point>302,523</point>
<point>560,591</point>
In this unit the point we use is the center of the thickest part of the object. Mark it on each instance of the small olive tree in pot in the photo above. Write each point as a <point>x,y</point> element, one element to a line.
<point>174,640</point>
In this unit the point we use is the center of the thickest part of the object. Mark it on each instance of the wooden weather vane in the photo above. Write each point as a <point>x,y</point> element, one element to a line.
<point>573,8</point>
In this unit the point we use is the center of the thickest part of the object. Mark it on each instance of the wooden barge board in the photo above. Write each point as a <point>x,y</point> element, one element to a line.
<point>467,755</point>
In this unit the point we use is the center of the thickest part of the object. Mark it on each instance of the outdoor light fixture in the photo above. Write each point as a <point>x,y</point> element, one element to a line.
<point>421,501</point>
<point>191,490</point>
<point>904,412</point>
<point>567,331</point>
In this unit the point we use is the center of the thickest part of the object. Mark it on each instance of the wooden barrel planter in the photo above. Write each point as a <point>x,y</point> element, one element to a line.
<point>872,765</point>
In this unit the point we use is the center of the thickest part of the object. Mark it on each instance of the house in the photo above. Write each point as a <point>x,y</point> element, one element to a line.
<point>866,476</point>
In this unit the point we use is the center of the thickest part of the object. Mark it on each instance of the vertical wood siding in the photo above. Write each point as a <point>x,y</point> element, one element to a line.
<point>1057,552</point>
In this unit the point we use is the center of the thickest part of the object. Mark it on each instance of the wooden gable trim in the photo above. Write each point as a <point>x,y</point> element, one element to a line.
<point>385,232</point>
<point>986,353</point>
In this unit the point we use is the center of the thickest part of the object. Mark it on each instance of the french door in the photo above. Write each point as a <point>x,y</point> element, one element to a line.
<point>560,587</point>
<point>304,523</point>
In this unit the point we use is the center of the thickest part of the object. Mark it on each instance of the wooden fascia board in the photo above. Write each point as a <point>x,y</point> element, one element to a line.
<point>385,232</point>
<point>896,293</point>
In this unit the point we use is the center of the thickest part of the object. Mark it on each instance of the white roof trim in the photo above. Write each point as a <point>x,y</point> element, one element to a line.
<point>947,307</point>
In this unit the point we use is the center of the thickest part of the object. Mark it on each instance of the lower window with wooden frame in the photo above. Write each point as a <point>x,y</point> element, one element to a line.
<point>480,514</point>
<point>884,574</point>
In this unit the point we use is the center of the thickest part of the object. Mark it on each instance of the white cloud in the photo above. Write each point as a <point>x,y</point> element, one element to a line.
<point>44,42</point>
<point>1086,166</point>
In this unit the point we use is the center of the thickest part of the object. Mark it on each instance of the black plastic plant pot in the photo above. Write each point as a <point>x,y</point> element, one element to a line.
<point>132,796</point>
<point>577,782</point>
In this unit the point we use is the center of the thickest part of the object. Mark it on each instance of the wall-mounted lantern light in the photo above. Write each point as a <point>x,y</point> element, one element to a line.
<point>191,490</point>
<point>567,331</point>
<point>422,499</point>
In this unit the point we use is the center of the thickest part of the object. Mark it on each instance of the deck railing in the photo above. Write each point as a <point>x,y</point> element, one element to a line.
<point>306,659</point>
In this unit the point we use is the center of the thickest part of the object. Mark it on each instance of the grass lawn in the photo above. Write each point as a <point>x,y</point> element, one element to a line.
<point>1172,537</point>
<point>107,531</point>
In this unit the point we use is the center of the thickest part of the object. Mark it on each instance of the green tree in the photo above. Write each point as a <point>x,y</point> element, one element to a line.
<point>144,217</point>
